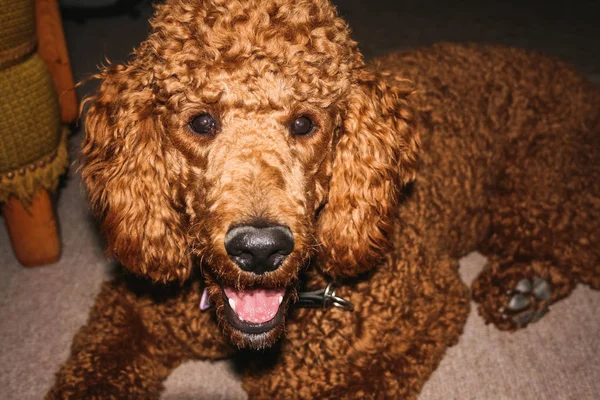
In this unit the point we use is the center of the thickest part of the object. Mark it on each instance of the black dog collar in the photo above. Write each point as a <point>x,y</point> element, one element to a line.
<point>323,298</point>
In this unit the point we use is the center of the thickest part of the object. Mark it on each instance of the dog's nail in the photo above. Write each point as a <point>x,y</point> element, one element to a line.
<point>524,286</point>
<point>518,302</point>
<point>541,289</point>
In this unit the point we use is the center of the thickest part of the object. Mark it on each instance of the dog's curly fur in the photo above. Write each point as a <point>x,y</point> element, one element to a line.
<point>509,154</point>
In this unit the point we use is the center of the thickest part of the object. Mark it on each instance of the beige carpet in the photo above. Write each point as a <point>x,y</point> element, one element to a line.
<point>557,358</point>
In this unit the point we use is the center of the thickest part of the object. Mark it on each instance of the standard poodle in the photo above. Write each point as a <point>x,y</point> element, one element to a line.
<point>246,157</point>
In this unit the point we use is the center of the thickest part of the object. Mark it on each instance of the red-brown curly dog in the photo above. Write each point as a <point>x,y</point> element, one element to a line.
<point>247,150</point>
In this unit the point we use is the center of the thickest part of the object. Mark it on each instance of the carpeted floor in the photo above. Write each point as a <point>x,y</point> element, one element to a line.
<point>42,308</point>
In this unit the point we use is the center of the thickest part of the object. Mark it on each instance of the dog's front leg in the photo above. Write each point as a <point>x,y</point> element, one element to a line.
<point>118,354</point>
<point>131,343</point>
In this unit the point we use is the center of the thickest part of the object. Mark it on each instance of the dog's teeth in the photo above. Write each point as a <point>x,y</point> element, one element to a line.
<point>280,299</point>
<point>232,304</point>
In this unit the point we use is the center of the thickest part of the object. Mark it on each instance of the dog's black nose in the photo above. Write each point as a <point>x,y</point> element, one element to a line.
<point>259,250</point>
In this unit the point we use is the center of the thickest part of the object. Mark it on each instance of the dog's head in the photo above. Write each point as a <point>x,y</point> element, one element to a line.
<point>248,138</point>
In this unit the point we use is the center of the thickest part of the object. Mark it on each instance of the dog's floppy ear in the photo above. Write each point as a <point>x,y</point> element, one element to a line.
<point>375,155</point>
<point>125,172</point>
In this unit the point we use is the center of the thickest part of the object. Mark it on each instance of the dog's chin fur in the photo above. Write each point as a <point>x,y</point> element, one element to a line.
<point>254,341</point>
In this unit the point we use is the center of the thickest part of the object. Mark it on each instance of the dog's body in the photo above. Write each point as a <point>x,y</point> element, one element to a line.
<point>510,157</point>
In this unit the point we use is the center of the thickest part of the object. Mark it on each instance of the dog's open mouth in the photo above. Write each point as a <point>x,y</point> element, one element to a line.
<point>254,311</point>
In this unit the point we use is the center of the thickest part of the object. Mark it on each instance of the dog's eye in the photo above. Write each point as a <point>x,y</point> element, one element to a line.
<point>203,124</point>
<point>302,125</point>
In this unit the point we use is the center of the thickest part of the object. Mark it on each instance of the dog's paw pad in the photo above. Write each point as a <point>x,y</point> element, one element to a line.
<point>528,301</point>
<point>524,318</point>
<point>538,315</point>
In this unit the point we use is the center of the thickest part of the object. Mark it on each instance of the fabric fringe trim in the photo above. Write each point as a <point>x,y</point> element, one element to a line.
<point>25,181</point>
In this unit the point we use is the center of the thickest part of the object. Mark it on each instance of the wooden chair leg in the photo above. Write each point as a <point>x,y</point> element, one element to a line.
<point>52,48</point>
<point>33,230</point>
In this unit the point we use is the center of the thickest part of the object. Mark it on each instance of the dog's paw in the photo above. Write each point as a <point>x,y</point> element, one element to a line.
<point>512,295</point>
<point>527,301</point>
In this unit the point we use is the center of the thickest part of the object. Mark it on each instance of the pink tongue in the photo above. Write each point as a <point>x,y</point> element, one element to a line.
<point>255,306</point>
